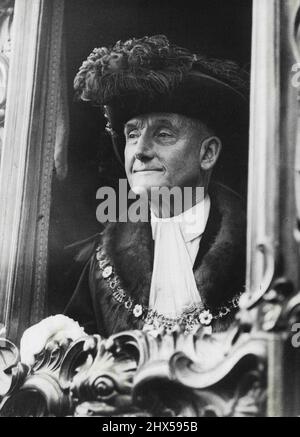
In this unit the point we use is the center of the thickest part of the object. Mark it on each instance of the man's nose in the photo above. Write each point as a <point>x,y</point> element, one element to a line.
<point>144,149</point>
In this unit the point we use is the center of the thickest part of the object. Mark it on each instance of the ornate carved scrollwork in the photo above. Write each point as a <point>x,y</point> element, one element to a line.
<point>136,374</point>
<point>12,372</point>
<point>35,391</point>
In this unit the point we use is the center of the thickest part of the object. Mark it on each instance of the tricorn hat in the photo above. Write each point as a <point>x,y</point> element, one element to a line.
<point>149,74</point>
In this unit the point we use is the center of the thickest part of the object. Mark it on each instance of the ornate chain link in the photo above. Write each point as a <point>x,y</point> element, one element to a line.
<point>195,316</point>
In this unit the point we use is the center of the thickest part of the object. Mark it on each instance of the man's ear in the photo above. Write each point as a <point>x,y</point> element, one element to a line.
<point>209,152</point>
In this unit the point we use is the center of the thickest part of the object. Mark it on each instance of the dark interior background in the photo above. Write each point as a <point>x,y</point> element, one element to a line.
<point>218,28</point>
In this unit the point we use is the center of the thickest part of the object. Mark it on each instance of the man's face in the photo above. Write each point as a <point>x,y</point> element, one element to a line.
<point>163,150</point>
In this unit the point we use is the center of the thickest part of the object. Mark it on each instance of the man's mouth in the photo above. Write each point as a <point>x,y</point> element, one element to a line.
<point>147,170</point>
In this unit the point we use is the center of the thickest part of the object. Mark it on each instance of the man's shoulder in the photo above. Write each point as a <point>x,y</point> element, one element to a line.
<point>84,249</point>
<point>225,196</point>
<point>229,207</point>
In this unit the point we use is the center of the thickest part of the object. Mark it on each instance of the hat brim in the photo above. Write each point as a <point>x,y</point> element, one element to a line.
<point>198,96</point>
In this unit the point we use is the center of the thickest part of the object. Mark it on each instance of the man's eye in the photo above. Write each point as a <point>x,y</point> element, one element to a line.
<point>132,134</point>
<point>164,134</point>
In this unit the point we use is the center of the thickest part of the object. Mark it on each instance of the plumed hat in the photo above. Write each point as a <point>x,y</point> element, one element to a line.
<point>150,74</point>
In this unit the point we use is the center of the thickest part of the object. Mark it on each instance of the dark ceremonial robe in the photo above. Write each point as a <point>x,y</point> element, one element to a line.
<point>219,267</point>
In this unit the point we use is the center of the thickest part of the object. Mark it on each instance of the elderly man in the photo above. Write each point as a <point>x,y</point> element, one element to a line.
<point>169,113</point>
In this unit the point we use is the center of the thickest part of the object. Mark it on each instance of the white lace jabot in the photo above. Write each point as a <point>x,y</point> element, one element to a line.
<point>173,287</point>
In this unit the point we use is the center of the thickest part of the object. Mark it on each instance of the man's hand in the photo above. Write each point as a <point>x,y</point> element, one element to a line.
<point>58,328</point>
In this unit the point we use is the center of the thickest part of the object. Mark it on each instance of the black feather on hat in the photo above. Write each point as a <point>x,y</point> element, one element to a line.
<point>150,75</point>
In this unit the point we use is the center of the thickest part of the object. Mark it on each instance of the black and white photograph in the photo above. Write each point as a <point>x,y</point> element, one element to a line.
<point>150,211</point>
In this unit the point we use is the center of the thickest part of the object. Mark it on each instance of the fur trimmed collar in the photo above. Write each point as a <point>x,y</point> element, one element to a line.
<point>219,267</point>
